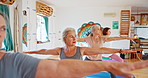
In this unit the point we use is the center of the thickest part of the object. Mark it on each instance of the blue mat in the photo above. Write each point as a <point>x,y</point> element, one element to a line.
<point>54,59</point>
<point>103,75</point>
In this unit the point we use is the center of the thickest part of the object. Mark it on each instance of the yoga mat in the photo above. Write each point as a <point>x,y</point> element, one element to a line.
<point>102,75</point>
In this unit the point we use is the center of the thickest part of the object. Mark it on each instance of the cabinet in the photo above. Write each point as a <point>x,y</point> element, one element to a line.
<point>143,43</point>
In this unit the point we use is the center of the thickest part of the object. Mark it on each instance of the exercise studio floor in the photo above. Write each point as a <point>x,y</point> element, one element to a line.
<point>141,73</point>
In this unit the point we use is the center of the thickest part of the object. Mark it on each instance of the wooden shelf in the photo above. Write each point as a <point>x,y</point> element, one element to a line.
<point>140,14</point>
<point>140,44</point>
<point>144,48</point>
<point>135,14</point>
<point>140,27</point>
<point>144,39</point>
<point>143,44</point>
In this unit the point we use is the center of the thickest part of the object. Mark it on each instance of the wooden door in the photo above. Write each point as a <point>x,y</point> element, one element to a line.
<point>124,22</point>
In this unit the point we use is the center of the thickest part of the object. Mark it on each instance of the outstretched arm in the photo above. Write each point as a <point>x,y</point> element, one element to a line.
<point>127,67</point>
<point>118,38</point>
<point>81,39</point>
<point>45,51</point>
<point>103,50</point>
<point>77,68</point>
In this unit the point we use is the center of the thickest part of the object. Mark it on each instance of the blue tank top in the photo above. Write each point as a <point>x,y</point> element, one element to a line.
<point>18,65</point>
<point>77,55</point>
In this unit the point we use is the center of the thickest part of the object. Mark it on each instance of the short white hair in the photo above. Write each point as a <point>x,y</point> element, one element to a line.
<point>65,32</point>
<point>94,27</point>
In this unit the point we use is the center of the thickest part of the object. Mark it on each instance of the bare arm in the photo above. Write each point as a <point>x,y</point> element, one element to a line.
<point>77,68</point>
<point>45,51</point>
<point>81,39</point>
<point>103,50</point>
<point>118,38</point>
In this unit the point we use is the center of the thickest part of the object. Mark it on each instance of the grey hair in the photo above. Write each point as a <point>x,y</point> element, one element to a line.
<point>65,32</point>
<point>94,27</point>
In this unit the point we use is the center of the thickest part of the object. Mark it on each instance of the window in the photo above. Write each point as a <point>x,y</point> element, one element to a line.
<point>3,46</point>
<point>42,29</point>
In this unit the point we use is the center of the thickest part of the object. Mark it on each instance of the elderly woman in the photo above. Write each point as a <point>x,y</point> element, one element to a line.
<point>18,65</point>
<point>96,40</point>
<point>70,51</point>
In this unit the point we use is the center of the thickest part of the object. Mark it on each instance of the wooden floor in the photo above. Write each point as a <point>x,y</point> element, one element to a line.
<point>140,73</point>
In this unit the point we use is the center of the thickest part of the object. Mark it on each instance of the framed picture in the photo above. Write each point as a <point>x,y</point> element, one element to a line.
<point>144,19</point>
<point>115,24</point>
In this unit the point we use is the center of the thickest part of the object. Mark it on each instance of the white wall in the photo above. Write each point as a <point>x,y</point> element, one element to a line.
<point>76,16</point>
<point>64,17</point>
<point>32,22</point>
<point>30,19</point>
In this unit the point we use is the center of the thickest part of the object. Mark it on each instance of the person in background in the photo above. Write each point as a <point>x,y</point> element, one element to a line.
<point>107,32</point>
<point>18,65</point>
<point>96,40</point>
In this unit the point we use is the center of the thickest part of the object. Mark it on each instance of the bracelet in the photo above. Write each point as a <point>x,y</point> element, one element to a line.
<point>120,51</point>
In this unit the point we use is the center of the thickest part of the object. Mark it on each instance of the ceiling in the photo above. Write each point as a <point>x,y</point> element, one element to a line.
<point>97,3</point>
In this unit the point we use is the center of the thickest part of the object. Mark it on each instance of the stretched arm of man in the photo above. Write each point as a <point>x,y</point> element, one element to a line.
<point>118,38</point>
<point>103,50</point>
<point>45,51</point>
<point>78,68</point>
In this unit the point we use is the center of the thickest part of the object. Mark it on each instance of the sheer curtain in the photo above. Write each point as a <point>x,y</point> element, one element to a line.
<point>46,25</point>
<point>17,31</point>
<point>42,28</point>
<point>8,42</point>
